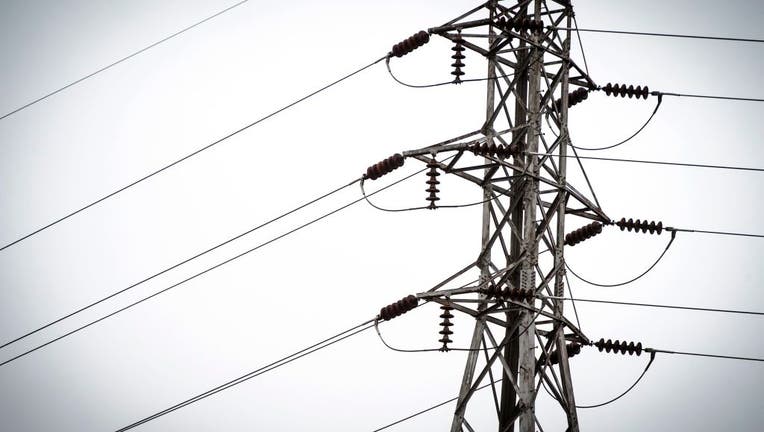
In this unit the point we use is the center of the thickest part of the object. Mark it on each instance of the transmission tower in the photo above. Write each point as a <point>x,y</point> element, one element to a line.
<point>521,339</point>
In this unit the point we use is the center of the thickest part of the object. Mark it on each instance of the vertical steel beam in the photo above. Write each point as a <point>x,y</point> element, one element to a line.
<point>526,371</point>
<point>559,258</point>
<point>485,262</point>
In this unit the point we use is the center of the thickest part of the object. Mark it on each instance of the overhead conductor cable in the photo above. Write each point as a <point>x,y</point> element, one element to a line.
<point>190,155</point>
<point>220,264</point>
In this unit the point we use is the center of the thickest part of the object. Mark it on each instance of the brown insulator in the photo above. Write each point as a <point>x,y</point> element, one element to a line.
<point>491,291</point>
<point>516,294</point>
<point>520,24</point>
<point>398,308</point>
<point>384,167</point>
<point>622,90</point>
<point>617,346</point>
<point>583,233</point>
<point>458,57</point>
<point>500,151</point>
<point>446,324</point>
<point>637,225</point>
<point>575,97</point>
<point>519,294</point>
<point>573,349</point>
<point>432,180</point>
<point>410,44</point>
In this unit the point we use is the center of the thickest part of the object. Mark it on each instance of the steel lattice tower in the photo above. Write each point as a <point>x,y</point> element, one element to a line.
<point>521,339</point>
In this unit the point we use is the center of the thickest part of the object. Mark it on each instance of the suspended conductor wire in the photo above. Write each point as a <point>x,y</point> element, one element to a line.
<point>142,50</point>
<point>257,372</point>
<point>580,44</point>
<point>672,35</point>
<point>732,98</point>
<point>673,236</point>
<point>174,266</point>
<point>573,301</point>
<point>586,177</point>
<point>363,191</point>
<point>389,70</point>
<point>725,233</point>
<point>657,106</point>
<point>650,162</point>
<point>501,345</point>
<point>389,425</point>
<point>188,156</point>
<point>209,269</point>
<point>649,363</point>
<point>659,306</point>
<point>693,354</point>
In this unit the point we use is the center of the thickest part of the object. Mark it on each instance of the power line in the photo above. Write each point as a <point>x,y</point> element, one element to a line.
<point>651,350</point>
<point>692,308</point>
<point>726,233</point>
<point>727,167</point>
<point>219,245</point>
<point>430,408</point>
<point>78,329</point>
<point>613,285</point>
<point>672,35</point>
<point>632,136</point>
<point>608,402</point>
<point>257,372</point>
<point>188,156</point>
<point>734,98</point>
<point>142,50</point>
<point>705,355</point>
<point>581,44</point>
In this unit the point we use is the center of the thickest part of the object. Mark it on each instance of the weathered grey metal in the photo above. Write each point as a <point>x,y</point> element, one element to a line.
<point>528,71</point>
<point>483,264</point>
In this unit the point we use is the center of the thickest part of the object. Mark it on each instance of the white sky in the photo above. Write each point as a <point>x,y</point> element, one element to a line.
<point>98,136</point>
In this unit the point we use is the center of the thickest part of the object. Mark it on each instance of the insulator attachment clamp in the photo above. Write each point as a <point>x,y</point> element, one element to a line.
<point>623,91</point>
<point>583,233</point>
<point>638,225</point>
<point>384,167</point>
<point>446,324</point>
<point>410,44</point>
<point>617,346</point>
<point>398,308</point>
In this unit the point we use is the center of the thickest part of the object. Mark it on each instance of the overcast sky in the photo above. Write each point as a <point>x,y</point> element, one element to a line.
<point>169,101</point>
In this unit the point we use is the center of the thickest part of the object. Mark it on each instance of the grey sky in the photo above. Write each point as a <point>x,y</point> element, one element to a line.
<point>114,128</point>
